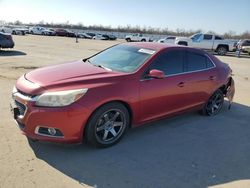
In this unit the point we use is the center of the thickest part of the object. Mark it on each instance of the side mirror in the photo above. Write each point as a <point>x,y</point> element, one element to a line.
<point>154,73</point>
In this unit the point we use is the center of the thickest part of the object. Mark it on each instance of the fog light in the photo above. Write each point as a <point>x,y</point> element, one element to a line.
<point>48,131</point>
<point>52,131</point>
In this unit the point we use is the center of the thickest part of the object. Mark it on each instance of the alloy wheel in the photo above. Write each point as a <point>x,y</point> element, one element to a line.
<point>214,104</point>
<point>110,126</point>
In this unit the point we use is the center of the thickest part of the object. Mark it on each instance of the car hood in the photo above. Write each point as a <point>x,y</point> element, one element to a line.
<point>63,74</point>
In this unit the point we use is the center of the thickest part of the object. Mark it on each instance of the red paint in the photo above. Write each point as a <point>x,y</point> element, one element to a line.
<point>148,99</point>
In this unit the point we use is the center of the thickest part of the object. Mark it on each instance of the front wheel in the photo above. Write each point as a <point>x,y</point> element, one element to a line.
<point>214,104</point>
<point>107,125</point>
<point>128,40</point>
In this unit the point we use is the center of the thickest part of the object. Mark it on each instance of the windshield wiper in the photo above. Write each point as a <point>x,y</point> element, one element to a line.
<point>86,61</point>
<point>101,66</point>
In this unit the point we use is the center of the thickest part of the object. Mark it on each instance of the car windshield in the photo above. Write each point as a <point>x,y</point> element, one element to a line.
<point>195,37</point>
<point>122,58</point>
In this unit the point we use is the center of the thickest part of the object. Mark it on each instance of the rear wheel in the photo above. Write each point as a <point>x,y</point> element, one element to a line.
<point>107,125</point>
<point>214,104</point>
<point>182,43</point>
<point>222,50</point>
<point>143,40</point>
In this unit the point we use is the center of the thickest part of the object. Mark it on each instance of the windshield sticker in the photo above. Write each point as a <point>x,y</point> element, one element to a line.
<point>146,51</point>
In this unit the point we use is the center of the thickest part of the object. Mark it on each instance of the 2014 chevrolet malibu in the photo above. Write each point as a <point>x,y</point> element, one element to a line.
<point>98,98</point>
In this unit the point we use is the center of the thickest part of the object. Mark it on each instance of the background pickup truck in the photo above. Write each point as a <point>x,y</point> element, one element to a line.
<point>136,38</point>
<point>207,42</point>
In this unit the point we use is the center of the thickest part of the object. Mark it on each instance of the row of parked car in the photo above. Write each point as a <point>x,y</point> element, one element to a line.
<point>204,41</point>
<point>200,40</point>
<point>37,30</point>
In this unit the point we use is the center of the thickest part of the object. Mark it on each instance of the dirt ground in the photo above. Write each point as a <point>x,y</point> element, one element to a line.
<point>185,151</point>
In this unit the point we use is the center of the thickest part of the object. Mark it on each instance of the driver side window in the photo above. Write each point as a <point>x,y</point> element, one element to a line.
<point>170,62</point>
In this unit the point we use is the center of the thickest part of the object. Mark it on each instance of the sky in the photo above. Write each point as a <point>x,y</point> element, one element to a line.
<point>208,15</point>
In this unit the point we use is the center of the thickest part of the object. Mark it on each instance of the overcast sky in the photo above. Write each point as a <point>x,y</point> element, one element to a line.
<point>216,15</point>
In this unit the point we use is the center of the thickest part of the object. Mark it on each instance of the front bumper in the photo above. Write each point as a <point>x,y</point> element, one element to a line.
<point>69,120</point>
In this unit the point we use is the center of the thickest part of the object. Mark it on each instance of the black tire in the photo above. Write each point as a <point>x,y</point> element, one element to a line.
<point>107,125</point>
<point>214,104</point>
<point>128,39</point>
<point>143,40</point>
<point>222,50</point>
<point>14,32</point>
<point>183,43</point>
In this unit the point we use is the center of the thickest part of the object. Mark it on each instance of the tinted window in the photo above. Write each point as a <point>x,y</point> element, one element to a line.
<point>208,37</point>
<point>170,62</point>
<point>209,63</point>
<point>197,61</point>
<point>171,37</point>
<point>218,38</point>
<point>246,43</point>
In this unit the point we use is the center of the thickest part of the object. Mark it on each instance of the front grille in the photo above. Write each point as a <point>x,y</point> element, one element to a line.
<point>21,107</point>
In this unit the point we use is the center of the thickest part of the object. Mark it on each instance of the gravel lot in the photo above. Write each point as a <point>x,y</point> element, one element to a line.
<point>185,151</point>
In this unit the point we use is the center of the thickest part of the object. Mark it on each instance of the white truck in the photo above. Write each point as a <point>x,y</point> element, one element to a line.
<point>207,42</point>
<point>137,38</point>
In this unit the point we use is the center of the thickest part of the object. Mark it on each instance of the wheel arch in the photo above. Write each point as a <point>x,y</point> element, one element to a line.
<point>223,45</point>
<point>125,104</point>
<point>183,43</point>
<point>223,87</point>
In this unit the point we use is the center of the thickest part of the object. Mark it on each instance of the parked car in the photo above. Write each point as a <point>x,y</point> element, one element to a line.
<point>13,30</point>
<point>137,38</point>
<point>244,45</point>
<point>6,40</point>
<point>41,31</point>
<point>207,42</point>
<point>84,36</point>
<point>65,33</point>
<point>98,98</point>
<point>111,37</point>
<point>91,34</point>
<point>168,40</point>
<point>101,37</point>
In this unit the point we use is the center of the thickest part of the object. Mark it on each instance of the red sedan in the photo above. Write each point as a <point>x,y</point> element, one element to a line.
<point>98,98</point>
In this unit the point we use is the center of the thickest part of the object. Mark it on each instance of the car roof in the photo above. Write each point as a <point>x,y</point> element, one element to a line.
<point>151,45</point>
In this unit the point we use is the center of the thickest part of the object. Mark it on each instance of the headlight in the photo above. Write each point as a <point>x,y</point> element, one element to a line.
<point>60,98</point>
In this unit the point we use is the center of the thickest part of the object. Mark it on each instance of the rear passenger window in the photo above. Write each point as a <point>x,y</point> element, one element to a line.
<point>218,38</point>
<point>197,62</point>
<point>208,37</point>
<point>209,63</point>
<point>170,62</point>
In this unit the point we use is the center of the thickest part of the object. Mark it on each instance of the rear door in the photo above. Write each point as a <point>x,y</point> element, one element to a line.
<point>161,97</point>
<point>207,42</point>
<point>200,75</point>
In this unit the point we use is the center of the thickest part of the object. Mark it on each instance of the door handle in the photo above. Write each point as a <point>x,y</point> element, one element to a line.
<point>212,77</point>
<point>181,84</point>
